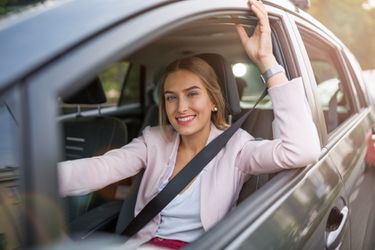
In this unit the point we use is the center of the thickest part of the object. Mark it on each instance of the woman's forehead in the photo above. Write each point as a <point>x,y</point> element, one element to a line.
<point>182,80</point>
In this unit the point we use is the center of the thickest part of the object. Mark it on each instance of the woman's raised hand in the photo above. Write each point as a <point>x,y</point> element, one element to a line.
<point>259,45</point>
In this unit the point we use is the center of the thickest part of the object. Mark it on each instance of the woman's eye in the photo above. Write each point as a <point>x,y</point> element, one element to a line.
<point>170,98</point>
<point>193,93</point>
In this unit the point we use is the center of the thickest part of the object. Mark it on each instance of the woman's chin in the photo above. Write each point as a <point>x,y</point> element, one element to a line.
<point>185,131</point>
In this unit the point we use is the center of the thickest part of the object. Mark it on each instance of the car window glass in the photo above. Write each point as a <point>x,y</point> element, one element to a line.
<point>132,85</point>
<point>120,82</point>
<point>9,162</point>
<point>250,85</point>
<point>332,85</point>
<point>112,77</point>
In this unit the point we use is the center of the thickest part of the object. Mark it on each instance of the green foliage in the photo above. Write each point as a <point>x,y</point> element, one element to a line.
<point>352,24</point>
<point>112,78</point>
<point>12,6</point>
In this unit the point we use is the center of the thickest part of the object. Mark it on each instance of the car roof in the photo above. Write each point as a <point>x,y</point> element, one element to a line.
<point>30,39</point>
<point>34,37</point>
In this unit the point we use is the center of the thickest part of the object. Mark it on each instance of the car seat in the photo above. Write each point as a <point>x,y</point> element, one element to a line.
<point>259,125</point>
<point>87,136</point>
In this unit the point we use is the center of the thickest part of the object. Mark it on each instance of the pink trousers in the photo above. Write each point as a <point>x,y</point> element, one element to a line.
<point>166,243</point>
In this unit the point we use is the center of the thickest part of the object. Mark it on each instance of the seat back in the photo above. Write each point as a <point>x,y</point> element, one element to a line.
<point>259,124</point>
<point>90,136</point>
<point>226,80</point>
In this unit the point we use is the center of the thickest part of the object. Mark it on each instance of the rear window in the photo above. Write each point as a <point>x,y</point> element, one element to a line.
<point>121,85</point>
<point>250,85</point>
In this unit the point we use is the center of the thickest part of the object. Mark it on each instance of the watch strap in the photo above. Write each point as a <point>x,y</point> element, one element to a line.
<point>277,68</point>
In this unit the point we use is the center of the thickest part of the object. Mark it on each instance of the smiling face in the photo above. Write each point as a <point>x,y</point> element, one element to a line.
<point>187,104</point>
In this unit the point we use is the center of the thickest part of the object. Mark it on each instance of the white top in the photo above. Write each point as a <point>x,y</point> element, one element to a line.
<point>180,219</point>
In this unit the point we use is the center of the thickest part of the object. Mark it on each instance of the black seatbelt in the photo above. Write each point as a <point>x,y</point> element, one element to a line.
<point>185,176</point>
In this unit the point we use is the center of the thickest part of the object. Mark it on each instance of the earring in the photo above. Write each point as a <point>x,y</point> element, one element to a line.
<point>214,109</point>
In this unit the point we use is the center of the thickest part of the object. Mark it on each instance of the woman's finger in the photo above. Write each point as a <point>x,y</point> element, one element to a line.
<point>259,10</point>
<point>242,33</point>
<point>262,16</point>
<point>259,5</point>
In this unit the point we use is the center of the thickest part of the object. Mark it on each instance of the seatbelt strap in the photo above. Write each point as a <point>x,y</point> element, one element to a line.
<point>185,176</point>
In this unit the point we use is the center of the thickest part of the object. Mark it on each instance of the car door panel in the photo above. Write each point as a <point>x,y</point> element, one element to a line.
<point>348,155</point>
<point>299,218</point>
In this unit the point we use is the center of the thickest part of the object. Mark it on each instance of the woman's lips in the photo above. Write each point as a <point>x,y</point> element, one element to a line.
<point>185,120</point>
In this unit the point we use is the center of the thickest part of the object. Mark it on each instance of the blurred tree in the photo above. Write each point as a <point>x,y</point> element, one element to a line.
<point>8,6</point>
<point>350,22</point>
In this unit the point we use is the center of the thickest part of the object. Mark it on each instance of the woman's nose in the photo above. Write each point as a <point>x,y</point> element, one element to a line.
<point>183,105</point>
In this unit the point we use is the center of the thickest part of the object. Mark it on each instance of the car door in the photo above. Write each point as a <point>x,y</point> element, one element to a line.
<point>362,204</point>
<point>296,209</point>
<point>347,122</point>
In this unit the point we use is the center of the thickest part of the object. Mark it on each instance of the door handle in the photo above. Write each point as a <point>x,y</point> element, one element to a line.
<point>335,227</point>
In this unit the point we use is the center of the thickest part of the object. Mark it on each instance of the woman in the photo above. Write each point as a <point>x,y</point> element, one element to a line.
<point>192,104</point>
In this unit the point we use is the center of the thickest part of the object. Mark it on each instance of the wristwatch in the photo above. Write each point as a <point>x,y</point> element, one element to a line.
<point>277,68</point>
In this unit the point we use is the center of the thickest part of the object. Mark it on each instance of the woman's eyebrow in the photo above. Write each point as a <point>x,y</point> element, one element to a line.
<point>168,92</point>
<point>191,88</point>
<point>185,90</point>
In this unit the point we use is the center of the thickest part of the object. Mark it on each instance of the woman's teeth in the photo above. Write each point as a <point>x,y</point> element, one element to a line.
<point>185,119</point>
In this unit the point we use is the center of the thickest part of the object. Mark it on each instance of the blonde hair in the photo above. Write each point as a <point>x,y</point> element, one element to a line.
<point>204,71</point>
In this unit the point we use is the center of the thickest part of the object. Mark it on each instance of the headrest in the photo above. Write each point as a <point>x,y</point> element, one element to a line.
<point>226,80</point>
<point>91,94</point>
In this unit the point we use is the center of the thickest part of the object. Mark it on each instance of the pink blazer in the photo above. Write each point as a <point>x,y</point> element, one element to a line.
<point>296,146</point>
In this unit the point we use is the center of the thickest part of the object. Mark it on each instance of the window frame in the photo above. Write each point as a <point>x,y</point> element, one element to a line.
<point>339,66</point>
<point>357,82</point>
<point>323,34</point>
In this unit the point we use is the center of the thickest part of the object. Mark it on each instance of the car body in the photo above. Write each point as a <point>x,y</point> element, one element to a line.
<point>53,50</point>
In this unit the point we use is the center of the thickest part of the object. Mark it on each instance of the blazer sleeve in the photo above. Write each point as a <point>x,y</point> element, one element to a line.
<point>297,144</point>
<point>86,175</point>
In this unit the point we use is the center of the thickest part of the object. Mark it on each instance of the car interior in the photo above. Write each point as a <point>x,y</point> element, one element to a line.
<point>91,125</point>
